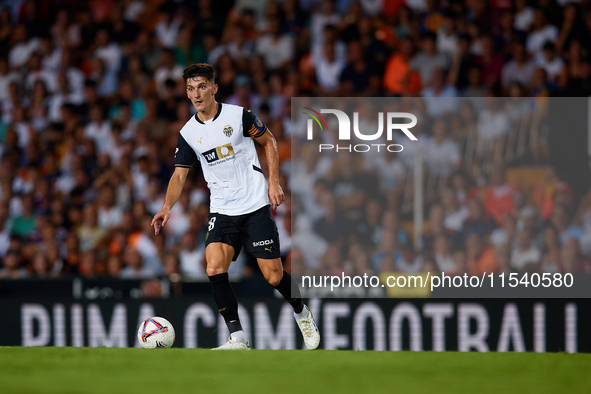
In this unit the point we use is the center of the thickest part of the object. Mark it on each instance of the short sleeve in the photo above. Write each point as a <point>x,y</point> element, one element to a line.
<point>184,155</point>
<point>252,126</point>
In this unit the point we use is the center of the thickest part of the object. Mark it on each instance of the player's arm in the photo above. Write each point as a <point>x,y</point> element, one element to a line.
<point>173,193</point>
<point>256,129</point>
<point>276,196</point>
<point>184,157</point>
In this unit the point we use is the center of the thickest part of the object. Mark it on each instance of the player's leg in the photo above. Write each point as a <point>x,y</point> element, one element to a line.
<point>261,238</point>
<point>273,272</point>
<point>222,246</point>
<point>218,257</point>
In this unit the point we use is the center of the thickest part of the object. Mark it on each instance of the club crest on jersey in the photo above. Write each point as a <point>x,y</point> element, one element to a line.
<point>228,130</point>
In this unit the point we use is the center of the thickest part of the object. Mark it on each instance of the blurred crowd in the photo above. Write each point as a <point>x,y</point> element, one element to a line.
<point>351,222</point>
<point>92,99</point>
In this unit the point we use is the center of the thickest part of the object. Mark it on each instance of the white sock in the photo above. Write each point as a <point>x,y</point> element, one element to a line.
<point>238,336</point>
<point>303,314</point>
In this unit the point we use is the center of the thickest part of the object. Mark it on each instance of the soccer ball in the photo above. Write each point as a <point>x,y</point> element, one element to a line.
<point>155,332</point>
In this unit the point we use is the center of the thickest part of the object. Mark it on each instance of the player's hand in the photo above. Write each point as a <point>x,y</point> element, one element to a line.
<point>160,220</point>
<point>276,196</point>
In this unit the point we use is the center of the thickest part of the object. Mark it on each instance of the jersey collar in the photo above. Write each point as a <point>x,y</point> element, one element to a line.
<point>214,118</point>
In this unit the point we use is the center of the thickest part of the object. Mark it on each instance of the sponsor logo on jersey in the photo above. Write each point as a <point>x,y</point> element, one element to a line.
<point>218,153</point>
<point>228,130</point>
<point>199,140</point>
<point>262,243</point>
<point>269,249</point>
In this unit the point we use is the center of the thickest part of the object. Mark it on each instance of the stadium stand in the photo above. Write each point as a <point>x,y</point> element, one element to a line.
<point>92,100</point>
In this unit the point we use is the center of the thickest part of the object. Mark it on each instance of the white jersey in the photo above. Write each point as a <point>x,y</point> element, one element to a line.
<point>228,158</point>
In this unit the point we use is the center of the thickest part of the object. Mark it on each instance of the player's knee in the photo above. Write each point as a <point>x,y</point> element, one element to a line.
<point>215,268</point>
<point>214,271</point>
<point>274,277</point>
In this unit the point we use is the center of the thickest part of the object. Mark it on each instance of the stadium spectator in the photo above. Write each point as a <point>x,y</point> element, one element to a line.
<point>519,69</point>
<point>113,266</point>
<point>22,47</point>
<point>90,232</point>
<point>552,64</point>
<point>526,256</point>
<point>435,90</point>
<point>528,219</point>
<point>477,221</point>
<point>498,197</point>
<point>408,260</point>
<point>11,267</point>
<point>506,233</point>
<point>462,61</point>
<point>24,224</point>
<point>332,262</point>
<point>109,214</point>
<point>134,267</point>
<point>192,257</point>
<point>360,76</point>
<point>561,220</point>
<point>442,154</point>
<point>332,226</point>
<point>326,16</point>
<point>386,252</point>
<point>399,76</point>
<point>391,224</point>
<point>277,48</point>
<point>455,214</point>
<point>503,256</point>
<point>368,227</point>
<point>428,59</point>
<point>351,186</point>
<point>550,261</point>
<point>541,33</point>
<point>480,258</point>
<point>443,255</point>
<point>546,194</point>
<point>508,33</point>
<point>167,29</point>
<point>109,51</point>
<point>459,256</point>
<point>360,260</point>
<point>524,15</point>
<point>435,227</point>
<point>168,70</point>
<point>491,62</point>
<point>570,256</point>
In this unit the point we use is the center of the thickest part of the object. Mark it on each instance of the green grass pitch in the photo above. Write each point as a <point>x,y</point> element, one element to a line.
<point>111,371</point>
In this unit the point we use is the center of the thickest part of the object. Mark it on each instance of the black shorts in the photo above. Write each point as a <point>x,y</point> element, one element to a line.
<point>256,231</point>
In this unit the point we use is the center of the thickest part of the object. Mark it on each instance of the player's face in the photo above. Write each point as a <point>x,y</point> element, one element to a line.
<point>201,92</point>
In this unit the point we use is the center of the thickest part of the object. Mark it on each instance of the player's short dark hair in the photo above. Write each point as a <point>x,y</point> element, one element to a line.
<point>203,70</point>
